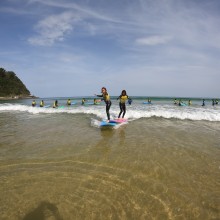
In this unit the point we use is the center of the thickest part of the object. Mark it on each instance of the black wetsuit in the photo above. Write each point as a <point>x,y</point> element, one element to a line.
<point>108,103</point>
<point>122,105</point>
<point>122,109</point>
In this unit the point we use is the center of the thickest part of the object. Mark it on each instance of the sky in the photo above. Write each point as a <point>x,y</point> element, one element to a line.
<point>62,48</point>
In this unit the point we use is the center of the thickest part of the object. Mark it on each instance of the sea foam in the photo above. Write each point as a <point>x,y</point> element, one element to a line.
<point>195,113</point>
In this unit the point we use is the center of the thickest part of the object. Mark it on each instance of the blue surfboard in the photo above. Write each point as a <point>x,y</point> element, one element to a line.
<point>107,124</point>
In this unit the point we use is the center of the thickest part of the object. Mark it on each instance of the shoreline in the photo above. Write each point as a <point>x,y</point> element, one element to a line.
<point>18,97</point>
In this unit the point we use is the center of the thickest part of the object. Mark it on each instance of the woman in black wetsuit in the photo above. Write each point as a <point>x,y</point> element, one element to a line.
<point>107,100</point>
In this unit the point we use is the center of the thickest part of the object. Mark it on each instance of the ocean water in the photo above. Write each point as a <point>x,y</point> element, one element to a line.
<point>164,163</point>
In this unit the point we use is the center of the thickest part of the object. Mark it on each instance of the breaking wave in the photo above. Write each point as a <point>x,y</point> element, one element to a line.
<point>196,113</point>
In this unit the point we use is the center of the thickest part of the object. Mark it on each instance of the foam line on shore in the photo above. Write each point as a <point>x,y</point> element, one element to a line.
<point>136,112</point>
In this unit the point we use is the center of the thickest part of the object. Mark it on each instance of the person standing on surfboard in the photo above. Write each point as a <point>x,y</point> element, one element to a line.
<point>107,100</point>
<point>123,98</point>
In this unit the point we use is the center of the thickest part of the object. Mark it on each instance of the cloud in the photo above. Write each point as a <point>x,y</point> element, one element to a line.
<point>53,28</point>
<point>80,9</point>
<point>153,40</point>
<point>142,41</point>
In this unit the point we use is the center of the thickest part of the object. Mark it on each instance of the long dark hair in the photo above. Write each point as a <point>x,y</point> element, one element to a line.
<point>105,90</point>
<point>123,92</point>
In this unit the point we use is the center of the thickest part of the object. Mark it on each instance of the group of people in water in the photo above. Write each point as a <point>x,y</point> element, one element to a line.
<point>95,101</point>
<point>105,97</point>
<point>123,98</point>
<point>41,103</point>
<point>180,102</point>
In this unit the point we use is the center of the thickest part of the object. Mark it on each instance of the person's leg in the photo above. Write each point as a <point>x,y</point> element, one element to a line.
<point>121,110</point>
<point>124,110</point>
<point>108,105</point>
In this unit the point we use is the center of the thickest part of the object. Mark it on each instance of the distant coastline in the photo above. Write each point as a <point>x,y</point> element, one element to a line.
<point>18,97</point>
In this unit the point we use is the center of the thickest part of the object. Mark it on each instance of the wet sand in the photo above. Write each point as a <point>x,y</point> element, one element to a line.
<point>61,167</point>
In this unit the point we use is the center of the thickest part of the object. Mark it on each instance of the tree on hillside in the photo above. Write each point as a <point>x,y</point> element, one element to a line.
<point>11,85</point>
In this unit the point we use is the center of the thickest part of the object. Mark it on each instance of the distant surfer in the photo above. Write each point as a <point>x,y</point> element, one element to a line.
<point>68,102</point>
<point>33,103</point>
<point>213,102</point>
<point>123,98</point>
<point>95,102</point>
<point>42,103</point>
<point>203,102</point>
<point>106,98</point>
<point>83,101</point>
<point>55,104</point>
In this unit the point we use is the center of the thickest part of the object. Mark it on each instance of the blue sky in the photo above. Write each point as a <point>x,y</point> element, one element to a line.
<point>148,47</point>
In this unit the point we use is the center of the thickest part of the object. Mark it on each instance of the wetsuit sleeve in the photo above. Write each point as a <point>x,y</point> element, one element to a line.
<point>99,95</point>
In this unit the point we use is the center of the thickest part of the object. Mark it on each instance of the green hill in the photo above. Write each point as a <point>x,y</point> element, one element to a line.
<point>11,86</point>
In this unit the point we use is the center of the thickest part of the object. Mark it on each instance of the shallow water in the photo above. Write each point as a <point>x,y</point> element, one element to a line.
<point>59,164</point>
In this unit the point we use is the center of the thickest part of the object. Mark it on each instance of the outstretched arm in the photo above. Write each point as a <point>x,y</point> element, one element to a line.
<point>98,95</point>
